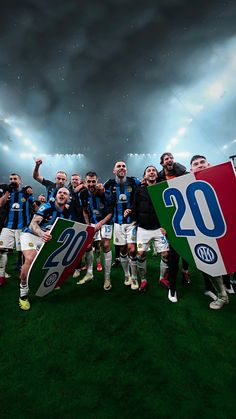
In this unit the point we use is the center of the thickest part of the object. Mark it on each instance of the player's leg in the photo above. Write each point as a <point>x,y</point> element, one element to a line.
<point>131,238</point>
<point>7,241</point>
<point>119,238</point>
<point>106,234</point>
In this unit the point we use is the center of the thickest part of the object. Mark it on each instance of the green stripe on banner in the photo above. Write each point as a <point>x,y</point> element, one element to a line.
<point>165,215</point>
<point>51,246</point>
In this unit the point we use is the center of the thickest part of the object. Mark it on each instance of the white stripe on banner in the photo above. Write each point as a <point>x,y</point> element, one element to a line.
<point>213,267</point>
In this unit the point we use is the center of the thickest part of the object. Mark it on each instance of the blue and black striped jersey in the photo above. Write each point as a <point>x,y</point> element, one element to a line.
<point>98,205</point>
<point>49,211</point>
<point>122,197</point>
<point>18,209</point>
<point>51,189</point>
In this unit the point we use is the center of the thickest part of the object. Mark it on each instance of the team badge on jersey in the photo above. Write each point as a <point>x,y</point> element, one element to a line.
<point>129,189</point>
<point>23,200</point>
<point>198,212</point>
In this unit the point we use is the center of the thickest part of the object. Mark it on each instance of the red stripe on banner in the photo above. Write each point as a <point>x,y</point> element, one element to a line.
<point>70,269</point>
<point>223,180</point>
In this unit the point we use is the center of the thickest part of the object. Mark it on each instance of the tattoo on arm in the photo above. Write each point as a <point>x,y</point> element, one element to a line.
<point>34,225</point>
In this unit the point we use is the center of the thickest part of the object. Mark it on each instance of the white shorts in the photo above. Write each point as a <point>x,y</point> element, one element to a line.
<point>124,233</point>
<point>144,236</point>
<point>30,241</point>
<point>10,238</point>
<point>104,233</point>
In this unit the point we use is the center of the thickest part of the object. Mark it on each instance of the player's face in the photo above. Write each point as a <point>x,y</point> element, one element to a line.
<point>168,162</point>
<point>75,180</point>
<point>91,182</point>
<point>60,179</point>
<point>15,179</point>
<point>42,199</point>
<point>120,169</point>
<point>62,196</point>
<point>151,174</point>
<point>199,164</point>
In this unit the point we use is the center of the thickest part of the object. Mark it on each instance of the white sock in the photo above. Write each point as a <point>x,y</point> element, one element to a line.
<point>163,268</point>
<point>133,266</point>
<point>125,264</point>
<point>3,263</point>
<point>89,262</point>
<point>108,260</point>
<point>142,267</point>
<point>24,289</point>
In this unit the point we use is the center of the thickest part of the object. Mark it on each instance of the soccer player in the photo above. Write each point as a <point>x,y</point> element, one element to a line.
<point>149,228</point>
<point>122,190</point>
<point>51,187</point>
<point>197,163</point>
<point>17,203</point>
<point>97,212</point>
<point>38,233</point>
<point>76,186</point>
<point>41,199</point>
<point>170,170</point>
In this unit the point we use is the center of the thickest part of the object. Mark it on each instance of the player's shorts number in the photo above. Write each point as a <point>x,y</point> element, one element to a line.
<point>212,203</point>
<point>74,244</point>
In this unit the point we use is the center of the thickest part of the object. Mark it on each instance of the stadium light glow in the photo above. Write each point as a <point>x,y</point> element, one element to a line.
<point>27,141</point>
<point>181,131</point>
<point>18,132</point>
<point>5,147</point>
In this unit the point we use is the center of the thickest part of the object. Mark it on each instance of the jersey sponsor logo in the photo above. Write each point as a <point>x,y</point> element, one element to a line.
<point>122,198</point>
<point>15,206</point>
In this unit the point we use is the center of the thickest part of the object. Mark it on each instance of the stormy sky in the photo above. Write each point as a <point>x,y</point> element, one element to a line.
<point>111,79</point>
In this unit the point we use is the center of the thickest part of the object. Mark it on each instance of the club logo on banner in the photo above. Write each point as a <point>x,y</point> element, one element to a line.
<point>57,259</point>
<point>198,212</point>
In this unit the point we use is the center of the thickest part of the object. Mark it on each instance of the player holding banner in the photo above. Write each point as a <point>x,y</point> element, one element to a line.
<point>199,162</point>
<point>38,233</point>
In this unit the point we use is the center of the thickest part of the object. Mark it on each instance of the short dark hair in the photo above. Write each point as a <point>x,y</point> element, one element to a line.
<point>76,174</point>
<point>167,153</point>
<point>197,156</point>
<point>15,174</point>
<point>91,174</point>
<point>61,171</point>
<point>119,160</point>
<point>150,165</point>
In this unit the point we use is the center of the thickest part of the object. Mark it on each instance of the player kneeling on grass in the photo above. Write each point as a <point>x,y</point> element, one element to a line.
<point>38,233</point>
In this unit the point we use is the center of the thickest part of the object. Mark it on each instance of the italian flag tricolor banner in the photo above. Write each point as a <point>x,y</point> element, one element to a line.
<point>198,211</point>
<point>58,258</point>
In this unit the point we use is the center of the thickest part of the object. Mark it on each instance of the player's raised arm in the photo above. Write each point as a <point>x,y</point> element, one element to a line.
<point>36,174</point>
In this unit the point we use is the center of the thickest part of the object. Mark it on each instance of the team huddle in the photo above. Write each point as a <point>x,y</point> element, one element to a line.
<point>121,209</point>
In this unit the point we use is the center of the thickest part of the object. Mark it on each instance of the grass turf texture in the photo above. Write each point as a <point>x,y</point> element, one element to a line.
<point>82,352</point>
